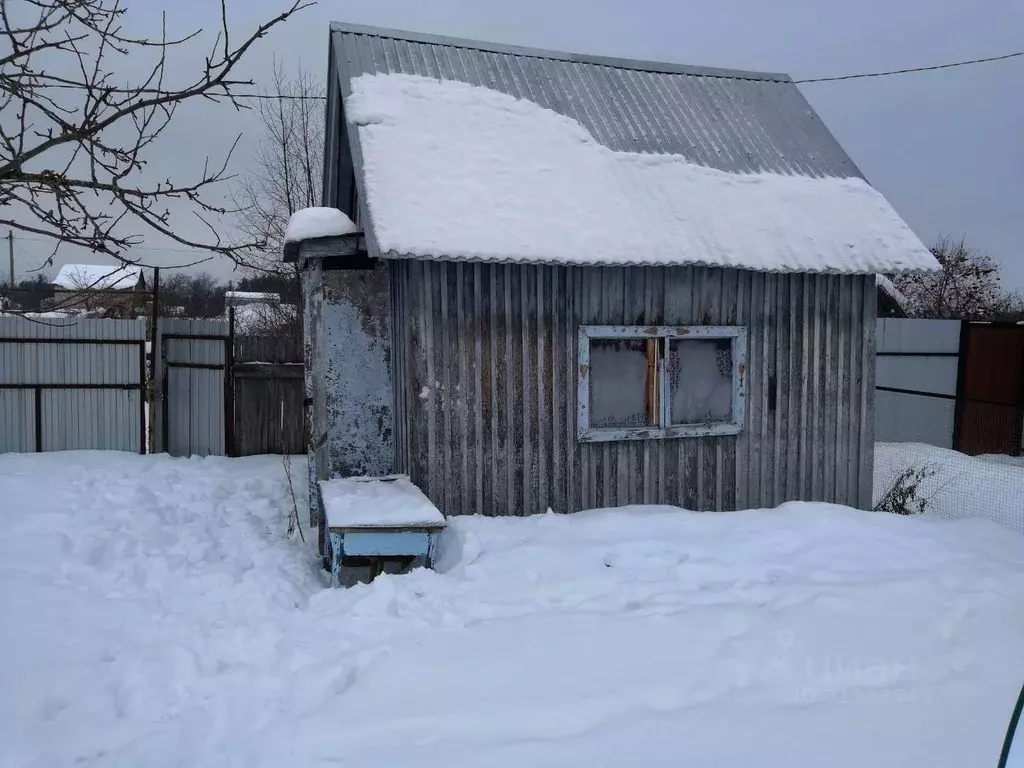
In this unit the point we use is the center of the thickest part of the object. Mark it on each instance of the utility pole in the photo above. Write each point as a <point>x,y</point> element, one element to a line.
<point>10,253</point>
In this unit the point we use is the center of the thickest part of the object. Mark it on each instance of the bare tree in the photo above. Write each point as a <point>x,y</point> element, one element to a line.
<point>86,289</point>
<point>184,295</point>
<point>967,287</point>
<point>74,136</point>
<point>285,174</point>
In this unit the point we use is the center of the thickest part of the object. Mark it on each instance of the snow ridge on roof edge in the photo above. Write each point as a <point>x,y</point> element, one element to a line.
<point>544,53</point>
<point>542,262</point>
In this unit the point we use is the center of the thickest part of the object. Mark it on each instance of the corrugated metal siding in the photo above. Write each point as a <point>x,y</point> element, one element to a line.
<point>489,356</point>
<point>195,396</point>
<point>104,418</point>
<point>733,123</point>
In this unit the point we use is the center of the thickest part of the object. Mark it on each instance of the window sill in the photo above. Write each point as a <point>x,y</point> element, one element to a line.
<point>657,433</point>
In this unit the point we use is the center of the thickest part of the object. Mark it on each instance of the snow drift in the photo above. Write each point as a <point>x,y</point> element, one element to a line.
<point>155,614</point>
<point>957,485</point>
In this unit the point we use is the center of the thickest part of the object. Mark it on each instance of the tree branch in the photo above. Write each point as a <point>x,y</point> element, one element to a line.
<point>74,134</point>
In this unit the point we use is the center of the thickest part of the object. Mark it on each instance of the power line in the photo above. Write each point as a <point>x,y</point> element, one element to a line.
<point>48,241</point>
<point>305,97</point>
<point>158,92</point>
<point>931,68</point>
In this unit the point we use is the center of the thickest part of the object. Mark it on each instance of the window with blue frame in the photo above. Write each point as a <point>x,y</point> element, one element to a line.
<point>652,382</point>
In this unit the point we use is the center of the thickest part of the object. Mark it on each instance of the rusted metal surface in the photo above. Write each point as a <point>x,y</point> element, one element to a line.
<point>489,364</point>
<point>992,389</point>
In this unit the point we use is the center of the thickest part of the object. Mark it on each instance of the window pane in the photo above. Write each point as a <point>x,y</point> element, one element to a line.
<point>700,380</point>
<point>619,384</point>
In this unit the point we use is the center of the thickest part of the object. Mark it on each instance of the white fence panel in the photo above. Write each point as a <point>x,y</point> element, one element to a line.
<point>191,356</point>
<point>916,356</point>
<point>70,384</point>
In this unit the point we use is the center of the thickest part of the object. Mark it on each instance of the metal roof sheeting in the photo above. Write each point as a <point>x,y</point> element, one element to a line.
<point>732,120</point>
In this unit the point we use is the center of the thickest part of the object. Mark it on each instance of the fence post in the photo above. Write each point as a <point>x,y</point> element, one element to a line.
<point>39,419</point>
<point>164,410</point>
<point>154,390</point>
<point>229,387</point>
<point>961,383</point>
<point>143,397</point>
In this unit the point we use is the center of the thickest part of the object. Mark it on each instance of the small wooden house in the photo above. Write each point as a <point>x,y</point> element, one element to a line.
<point>578,282</point>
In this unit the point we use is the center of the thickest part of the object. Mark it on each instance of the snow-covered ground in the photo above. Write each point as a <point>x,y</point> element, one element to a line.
<point>957,485</point>
<point>153,613</point>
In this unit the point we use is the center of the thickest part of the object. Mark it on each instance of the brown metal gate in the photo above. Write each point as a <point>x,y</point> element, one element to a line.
<point>990,398</point>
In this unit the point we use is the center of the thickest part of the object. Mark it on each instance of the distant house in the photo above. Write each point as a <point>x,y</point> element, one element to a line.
<point>242,298</point>
<point>97,286</point>
<point>259,314</point>
<point>575,282</point>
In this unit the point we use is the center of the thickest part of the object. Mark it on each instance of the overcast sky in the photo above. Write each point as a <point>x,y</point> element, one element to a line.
<point>945,147</point>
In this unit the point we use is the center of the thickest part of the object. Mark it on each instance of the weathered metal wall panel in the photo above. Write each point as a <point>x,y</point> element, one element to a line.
<point>358,401</point>
<point>318,460</point>
<point>71,384</point>
<point>489,355</point>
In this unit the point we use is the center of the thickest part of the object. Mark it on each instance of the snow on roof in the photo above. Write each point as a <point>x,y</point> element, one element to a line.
<point>886,285</point>
<point>311,223</point>
<point>457,171</point>
<point>359,502</point>
<point>252,295</point>
<point>97,276</point>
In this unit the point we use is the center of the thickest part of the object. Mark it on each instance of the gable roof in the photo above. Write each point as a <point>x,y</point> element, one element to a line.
<point>94,277</point>
<point>742,123</point>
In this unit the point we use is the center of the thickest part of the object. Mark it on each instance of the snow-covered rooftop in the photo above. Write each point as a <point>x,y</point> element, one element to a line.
<point>78,277</point>
<point>310,223</point>
<point>376,503</point>
<point>252,295</point>
<point>457,171</point>
<point>889,289</point>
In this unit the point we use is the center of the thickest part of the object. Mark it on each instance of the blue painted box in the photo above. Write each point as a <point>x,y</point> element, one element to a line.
<point>375,521</point>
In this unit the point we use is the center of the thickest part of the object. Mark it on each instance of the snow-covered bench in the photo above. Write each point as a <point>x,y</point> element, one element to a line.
<point>375,520</point>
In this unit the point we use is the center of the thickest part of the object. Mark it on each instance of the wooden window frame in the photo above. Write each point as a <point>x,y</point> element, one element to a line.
<point>659,397</point>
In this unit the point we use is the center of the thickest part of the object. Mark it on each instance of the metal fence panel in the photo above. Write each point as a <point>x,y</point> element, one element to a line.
<point>69,384</point>
<point>191,356</point>
<point>16,419</point>
<point>916,378</point>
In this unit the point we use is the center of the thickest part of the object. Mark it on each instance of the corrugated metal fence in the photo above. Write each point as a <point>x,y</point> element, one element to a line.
<point>224,395</point>
<point>951,383</point>
<point>916,378</point>
<point>69,384</point>
<point>189,376</point>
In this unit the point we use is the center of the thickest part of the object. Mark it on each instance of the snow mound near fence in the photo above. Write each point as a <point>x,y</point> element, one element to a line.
<point>155,614</point>
<point>959,485</point>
